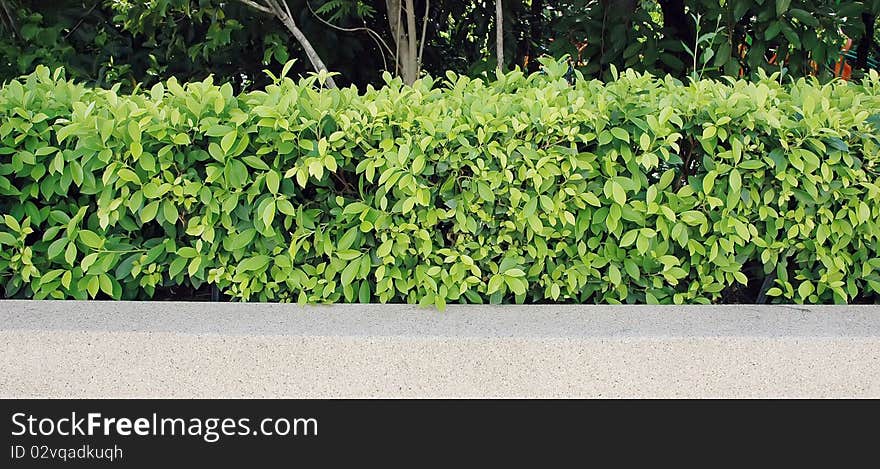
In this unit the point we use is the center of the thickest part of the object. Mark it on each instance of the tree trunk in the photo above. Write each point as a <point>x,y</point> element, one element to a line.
<point>411,41</point>
<point>405,38</point>
<point>499,34</point>
<point>866,44</point>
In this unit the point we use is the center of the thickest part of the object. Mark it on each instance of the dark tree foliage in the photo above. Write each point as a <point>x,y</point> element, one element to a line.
<point>138,43</point>
<point>79,35</point>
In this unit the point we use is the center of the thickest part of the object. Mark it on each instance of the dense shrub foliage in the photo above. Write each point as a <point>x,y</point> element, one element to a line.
<point>526,189</point>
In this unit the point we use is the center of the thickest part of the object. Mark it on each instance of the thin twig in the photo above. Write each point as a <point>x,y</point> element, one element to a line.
<point>373,34</point>
<point>289,23</point>
<point>9,18</point>
<point>80,22</point>
<point>258,6</point>
<point>287,8</point>
<point>397,38</point>
<point>499,35</point>
<point>424,31</point>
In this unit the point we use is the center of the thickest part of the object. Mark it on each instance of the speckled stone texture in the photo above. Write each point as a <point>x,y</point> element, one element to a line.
<point>167,349</point>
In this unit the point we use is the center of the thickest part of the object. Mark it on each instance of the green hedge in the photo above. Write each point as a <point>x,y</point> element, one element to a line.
<point>526,189</point>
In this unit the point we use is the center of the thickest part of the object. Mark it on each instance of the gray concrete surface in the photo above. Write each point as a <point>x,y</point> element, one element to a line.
<point>167,349</point>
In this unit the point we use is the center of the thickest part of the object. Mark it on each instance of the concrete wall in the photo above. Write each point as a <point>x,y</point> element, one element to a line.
<point>166,349</point>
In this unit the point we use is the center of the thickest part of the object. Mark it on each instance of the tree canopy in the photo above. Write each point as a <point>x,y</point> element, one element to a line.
<point>140,42</point>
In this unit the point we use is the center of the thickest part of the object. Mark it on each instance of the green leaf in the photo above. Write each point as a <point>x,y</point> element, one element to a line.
<point>90,239</point>
<point>302,177</point>
<point>129,176</point>
<point>628,238</point>
<point>709,132</point>
<point>254,263</point>
<point>618,193</point>
<point>517,285</point>
<point>169,210</point>
<point>93,286</point>
<point>48,277</point>
<point>273,180</point>
<point>194,265</point>
<point>751,164</point>
<point>255,162</point>
<point>348,254</point>
<point>385,248</point>
<point>70,253</point>
<point>631,269</point>
<point>495,283</point>
<point>614,274</point>
<point>105,284</point>
<point>864,212</point>
<point>643,244</point>
<point>147,162</point>
<point>181,139</point>
<point>620,134</point>
<point>284,206</point>
<point>216,152</point>
<point>8,239</point>
<point>268,215</point>
<point>535,224</point>
<point>666,178</point>
<point>516,273</point>
<point>735,181</point>
<point>693,217</point>
<point>177,266</point>
<point>804,17</point>
<point>782,7</point>
<point>485,193</point>
<point>12,223</point>
<point>591,199</point>
<point>134,131</point>
<point>709,181</point>
<point>773,30</point>
<point>218,130</point>
<point>157,91</point>
<point>187,252</point>
<point>227,141</point>
<point>645,142</point>
<point>805,289</point>
<point>364,292</point>
<point>149,211</point>
<point>349,273</point>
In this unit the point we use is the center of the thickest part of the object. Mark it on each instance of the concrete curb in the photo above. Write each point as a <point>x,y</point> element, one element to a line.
<point>187,350</point>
